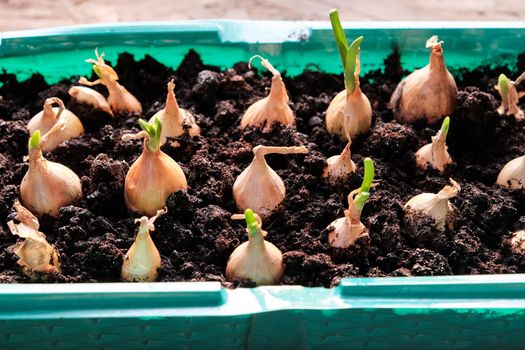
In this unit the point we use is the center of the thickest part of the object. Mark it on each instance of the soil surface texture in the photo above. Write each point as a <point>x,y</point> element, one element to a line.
<point>197,235</point>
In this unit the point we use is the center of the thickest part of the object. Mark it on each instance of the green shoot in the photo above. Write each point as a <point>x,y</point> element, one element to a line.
<point>34,140</point>
<point>348,54</point>
<point>251,222</point>
<point>364,191</point>
<point>97,71</point>
<point>504,84</point>
<point>154,131</point>
<point>445,126</point>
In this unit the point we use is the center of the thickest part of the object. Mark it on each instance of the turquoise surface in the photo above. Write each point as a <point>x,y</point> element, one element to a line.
<point>455,312</point>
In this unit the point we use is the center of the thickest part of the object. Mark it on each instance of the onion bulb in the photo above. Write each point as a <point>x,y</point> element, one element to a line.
<point>513,174</point>
<point>271,109</point>
<point>339,167</point>
<point>259,187</point>
<point>345,231</point>
<point>432,206</point>
<point>56,124</point>
<point>175,120</point>
<point>349,114</point>
<point>154,175</point>
<point>428,93</point>
<point>90,97</point>
<point>34,252</point>
<point>143,259</point>
<point>47,186</point>
<point>256,260</point>
<point>435,154</point>
<point>119,99</point>
<point>510,96</point>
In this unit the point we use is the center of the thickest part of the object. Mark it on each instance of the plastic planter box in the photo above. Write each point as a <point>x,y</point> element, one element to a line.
<point>455,312</point>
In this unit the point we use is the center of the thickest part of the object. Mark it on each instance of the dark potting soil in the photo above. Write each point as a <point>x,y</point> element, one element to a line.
<point>197,235</point>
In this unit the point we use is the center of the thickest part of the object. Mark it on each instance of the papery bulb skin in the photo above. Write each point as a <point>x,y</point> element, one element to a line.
<point>120,99</point>
<point>335,116</point>
<point>150,180</point>
<point>48,186</point>
<point>339,168</point>
<point>510,96</point>
<point>175,120</point>
<point>35,254</point>
<point>58,124</point>
<point>90,97</point>
<point>261,263</point>
<point>345,233</point>
<point>358,114</point>
<point>143,258</point>
<point>517,242</point>
<point>259,187</point>
<point>513,174</point>
<point>256,260</point>
<point>432,206</point>
<point>435,154</point>
<point>428,93</point>
<point>271,109</point>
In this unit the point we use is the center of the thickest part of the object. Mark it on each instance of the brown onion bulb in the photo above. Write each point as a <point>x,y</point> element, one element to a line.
<point>428,93</point>
<point>271,109</point>
<point>340,167</point>
<point>259,187</point>
<point>56,124</point>
<point>88,96</point>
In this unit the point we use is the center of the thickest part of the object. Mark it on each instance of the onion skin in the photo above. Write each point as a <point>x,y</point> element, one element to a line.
<point>349,114</point>
<point>35,253</point>
<point>517,242</point>
<point>142,259</point>
<point>271,109</point>
<point>175,120</point>
<point>428,93</point>
<point>90,97</point>
<point>513,174</point>
<point>256,260</point>
<point>434,206</point>
<point>510,96</point>
<point>259,187</point>
<point>48,186</point>
<point>339,167</point>
<point>120,100</point>
<point>435,154</point>
<point>344,233</point>
<point>150,180</point>
<point>56,124</point>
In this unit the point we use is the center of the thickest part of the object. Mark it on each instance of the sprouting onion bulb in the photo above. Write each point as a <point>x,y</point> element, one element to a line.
<point>349,114</point>
<point>434,206</point>
<point>58,124</point>
<point>259,187</point>
<point>88,96</point>
<point>154,175</point>
<point>513,174</point>
<point>271,109</point>
<point>339,167</point>
<point>510,96</point>
<point>428,93</point>
<point>256,260</point>
<point>435,154</point>
<point>143,259</point>
<point>175,120</point>
<point>47,186</point>
<point>345,231</point>
<point>119,99</point>
<point>34,252</point>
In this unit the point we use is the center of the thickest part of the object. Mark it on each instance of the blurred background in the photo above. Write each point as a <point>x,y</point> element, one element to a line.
<point>25,14</point>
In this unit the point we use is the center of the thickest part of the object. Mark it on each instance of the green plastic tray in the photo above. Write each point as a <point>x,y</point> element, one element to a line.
<point>456,312</point>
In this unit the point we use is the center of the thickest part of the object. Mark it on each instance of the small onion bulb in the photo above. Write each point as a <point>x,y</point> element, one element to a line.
<point>259,187</point>
<point>513,174</point>
<point>119,99</point>
<point>340,167</point>
<point>256,260</point>
<point>88,96</point>
<point>56,124</point>
<point>142,260</point>
<point>510,96</point>
<point>435,154</point>
<point>271,109</point>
